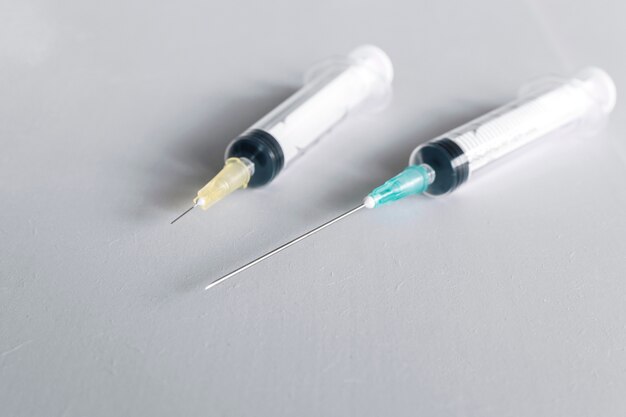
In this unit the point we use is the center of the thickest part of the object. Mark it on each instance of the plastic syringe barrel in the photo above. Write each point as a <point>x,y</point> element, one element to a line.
<point>333,90</point>
<point>576,105</point>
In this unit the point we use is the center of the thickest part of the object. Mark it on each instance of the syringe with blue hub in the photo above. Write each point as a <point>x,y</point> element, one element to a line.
<point>562,107</point>
<point>333,90</point>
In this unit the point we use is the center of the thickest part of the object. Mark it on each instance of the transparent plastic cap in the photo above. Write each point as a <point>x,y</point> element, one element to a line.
<point>600,86</point>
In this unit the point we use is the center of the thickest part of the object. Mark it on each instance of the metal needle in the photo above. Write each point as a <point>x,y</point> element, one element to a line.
<point>285,246</point>
<point>185,212</point>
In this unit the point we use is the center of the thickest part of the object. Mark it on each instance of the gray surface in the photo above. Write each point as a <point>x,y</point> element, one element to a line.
<point>505,299</point>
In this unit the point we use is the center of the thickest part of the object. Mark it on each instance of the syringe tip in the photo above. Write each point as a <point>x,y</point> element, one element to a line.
<point>369,202</point>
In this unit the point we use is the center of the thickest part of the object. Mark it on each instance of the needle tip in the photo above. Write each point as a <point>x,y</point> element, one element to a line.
<point>217,281</point>
<point>185,212</point>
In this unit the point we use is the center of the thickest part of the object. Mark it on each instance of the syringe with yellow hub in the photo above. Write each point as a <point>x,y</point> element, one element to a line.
<point>333,90</point>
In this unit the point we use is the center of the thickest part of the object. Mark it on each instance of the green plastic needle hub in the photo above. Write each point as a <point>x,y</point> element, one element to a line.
<point>415,179</point>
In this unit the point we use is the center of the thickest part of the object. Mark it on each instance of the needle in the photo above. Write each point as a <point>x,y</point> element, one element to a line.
<point>185,212</point>
<point>285,246</point>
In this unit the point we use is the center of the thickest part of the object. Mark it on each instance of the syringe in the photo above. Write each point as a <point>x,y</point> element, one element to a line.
<point>439,166</point>
<point>332,90</point>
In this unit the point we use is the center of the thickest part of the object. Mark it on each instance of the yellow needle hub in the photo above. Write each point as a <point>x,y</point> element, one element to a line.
<point>235,175</point>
